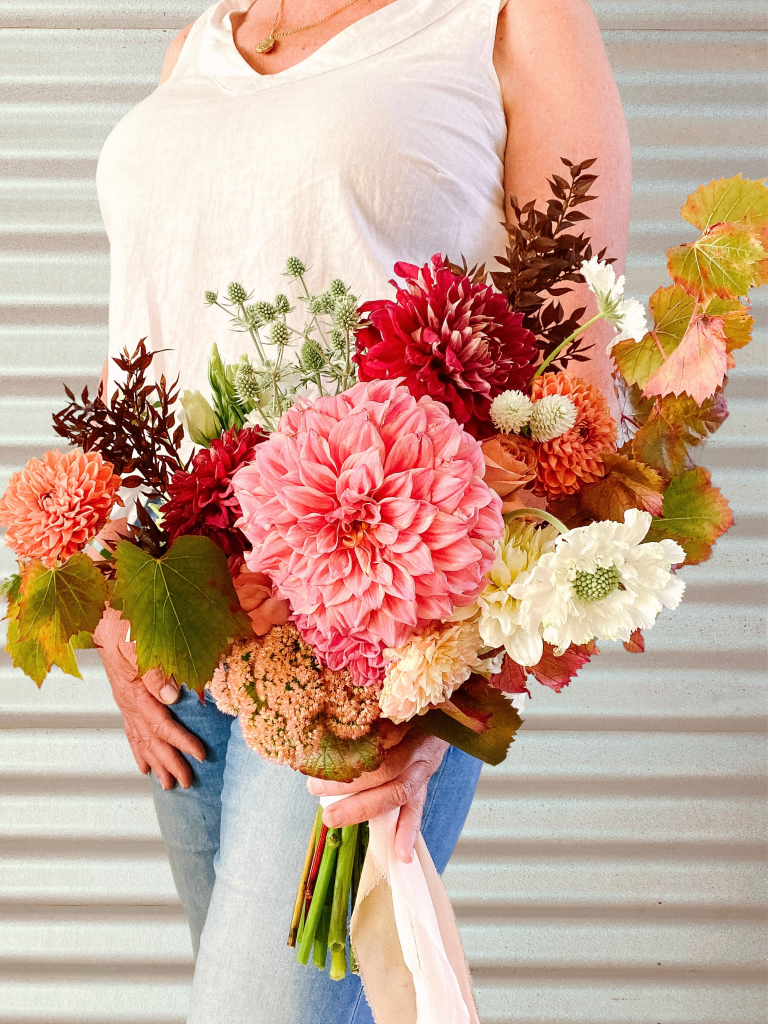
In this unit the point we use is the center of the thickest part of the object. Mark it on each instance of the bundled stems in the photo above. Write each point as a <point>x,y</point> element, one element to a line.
<point>337,935</point>
<point>324,877</point>
<point>301,894</point>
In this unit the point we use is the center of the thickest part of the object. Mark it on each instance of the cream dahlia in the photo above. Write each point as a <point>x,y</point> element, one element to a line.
<point>426,670</point>
<point>501,625</point>
<point>448,338</point>
<point>600,582</point>
<point>369,513</point>
<point>53,507</point>
<point>626,315</point>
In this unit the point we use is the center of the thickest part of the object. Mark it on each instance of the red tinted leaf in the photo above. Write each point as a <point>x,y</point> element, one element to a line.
<point>695,514</point>
<point>557,672</point>
<point>512,677</point>
<point>636,643</point>
<point>697,366</point>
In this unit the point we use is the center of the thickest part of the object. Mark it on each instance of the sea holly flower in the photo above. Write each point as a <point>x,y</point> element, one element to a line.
<point>55,506</point>
<point>449,339</point>
<point>626,315</point>
<point>501,624</point>
<point>600,582</point>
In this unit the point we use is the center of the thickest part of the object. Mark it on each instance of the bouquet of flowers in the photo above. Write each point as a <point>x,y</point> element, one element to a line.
<point>399,510</point>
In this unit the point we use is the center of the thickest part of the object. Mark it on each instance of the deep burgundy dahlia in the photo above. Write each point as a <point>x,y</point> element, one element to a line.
<point>202,502</point>
<point>455,341</point>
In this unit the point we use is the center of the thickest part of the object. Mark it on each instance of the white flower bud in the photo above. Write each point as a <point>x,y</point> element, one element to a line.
<point>552,416</point>
<point>510,411</point>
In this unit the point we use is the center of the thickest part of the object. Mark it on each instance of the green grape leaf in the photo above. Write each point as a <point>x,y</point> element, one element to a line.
<point>726,261</point>
<point>694,514</point>
<point>674,426</point>
<point>477,695</point>
<point>672,309</point>
<point>735,200</point>
<point>182,608</point>
<point>27,655</point>
<point>737,322</point>
<point>338,760</point>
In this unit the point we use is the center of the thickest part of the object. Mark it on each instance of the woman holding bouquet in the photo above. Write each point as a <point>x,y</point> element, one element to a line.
<point>353,136</point>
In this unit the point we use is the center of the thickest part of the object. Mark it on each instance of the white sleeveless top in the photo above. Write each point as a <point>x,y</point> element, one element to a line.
<point>385,144</point>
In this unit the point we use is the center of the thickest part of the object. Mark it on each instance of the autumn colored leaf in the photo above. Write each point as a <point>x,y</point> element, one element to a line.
<point>694,514</point>
<point>636,642</point>
<point>698,364</point>
<point>674,426</point>
<point>478,696</point>
<point>626,484</point>
<point>556,671</point>
<point>672,309</point>
<point>737,322</point>
<point>725,261</point>
<point>738,199</point>
<point>512,677</point>
<point>338,760</point>
<point>182,607</point>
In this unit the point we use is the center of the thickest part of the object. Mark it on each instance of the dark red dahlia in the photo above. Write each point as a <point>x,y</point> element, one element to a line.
<point>450,339</point>
<point>202,502</point>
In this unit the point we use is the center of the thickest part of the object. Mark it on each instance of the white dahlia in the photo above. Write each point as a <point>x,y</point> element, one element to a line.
<point>600,582</point>
<point>427,669</point>
<point>517,554</point>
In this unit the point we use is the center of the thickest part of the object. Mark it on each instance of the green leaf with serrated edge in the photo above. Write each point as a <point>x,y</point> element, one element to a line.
<point>725,261</point>
<point>490,746</point>
<point>736,319</point>
<point>340,760</point>
<point>182,608</point>
<point>672,309</point>
<point>57,604</point>
<point>27,655</point>
<point>695,514</point>
<point>674,426</point>
<point>10,588</point>
<point>736,199</point>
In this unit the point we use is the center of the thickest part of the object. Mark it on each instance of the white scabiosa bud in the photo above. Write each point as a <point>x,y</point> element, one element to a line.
<point>511,411</point>
<point>552,416</point>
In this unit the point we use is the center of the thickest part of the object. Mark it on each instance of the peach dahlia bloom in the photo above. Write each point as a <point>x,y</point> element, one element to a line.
<point>568,462</point>
<point>53,507</point>
<point>369,513</point>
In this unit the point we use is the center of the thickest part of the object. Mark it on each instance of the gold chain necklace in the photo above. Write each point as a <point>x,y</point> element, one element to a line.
<point>267,44</point>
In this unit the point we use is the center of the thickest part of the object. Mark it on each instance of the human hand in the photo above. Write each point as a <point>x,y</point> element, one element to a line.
<point>401,781</point>
<point>155,737</point>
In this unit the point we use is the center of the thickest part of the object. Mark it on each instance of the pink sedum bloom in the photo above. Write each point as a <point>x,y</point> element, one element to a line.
<point>369,513</point>
<point>53,507</point>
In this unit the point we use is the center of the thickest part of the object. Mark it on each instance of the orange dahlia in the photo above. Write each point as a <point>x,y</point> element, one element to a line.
<point>53,507</point>
<point>569,462</point>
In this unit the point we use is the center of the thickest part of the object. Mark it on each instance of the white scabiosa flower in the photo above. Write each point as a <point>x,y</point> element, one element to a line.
<point>626,315</point>
<point>517,554</point>
<point>600,582</point>
<point>427,670</point>
<point>511,411</point>
<point>552,416</point>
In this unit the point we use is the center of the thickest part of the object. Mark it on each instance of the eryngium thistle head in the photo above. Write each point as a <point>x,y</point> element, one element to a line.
<point>281,304</point>
<point>311,357</point>
<point>294,267</point>
<point>552,416</point>
<point>337,288</point>
<point>279,333</point>
<point>211,297</point>
<point>316,305</point>
<point>511,411</point>
<point>327,302</point>
<point>247,383</point>
<point>264,311</point>
<point>339,340</point>
<point>237,294</point>
<point>345,314</point>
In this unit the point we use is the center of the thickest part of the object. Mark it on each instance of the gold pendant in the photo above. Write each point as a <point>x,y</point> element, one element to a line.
<point>265,45</point>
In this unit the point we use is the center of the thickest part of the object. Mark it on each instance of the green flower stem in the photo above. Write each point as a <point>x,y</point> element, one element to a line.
<point>324,877</point>
<point>255,337</point>
<point>571,337</point>
<point>320,948</point>
<point>518,512</point>
<point>337,935</point>
<point>304,876</point>
<point>307,296</point>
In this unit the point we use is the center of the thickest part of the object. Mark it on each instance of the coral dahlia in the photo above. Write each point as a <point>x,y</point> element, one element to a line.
<point>369,513</point>
<point>450,339</point>
<point>202,502</point>
<point>53,507</point>
<point>569,461</point>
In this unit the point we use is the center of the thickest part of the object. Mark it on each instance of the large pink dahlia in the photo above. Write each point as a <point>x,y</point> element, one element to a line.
<point>450,339</point>
<point>369,513</point>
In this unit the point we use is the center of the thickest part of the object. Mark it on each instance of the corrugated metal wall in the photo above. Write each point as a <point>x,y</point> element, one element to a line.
<point>612,872</point>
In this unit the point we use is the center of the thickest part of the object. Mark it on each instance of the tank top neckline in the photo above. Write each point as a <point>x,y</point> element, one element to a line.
<point>220,58</point>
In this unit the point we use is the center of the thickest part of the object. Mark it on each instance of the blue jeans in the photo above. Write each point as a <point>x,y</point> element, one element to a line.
<point>236,841</point>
